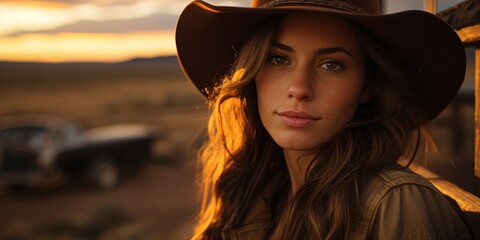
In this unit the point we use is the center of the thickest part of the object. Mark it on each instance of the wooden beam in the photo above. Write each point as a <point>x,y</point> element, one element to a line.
<point>470,35</point>
<point>477,111</point>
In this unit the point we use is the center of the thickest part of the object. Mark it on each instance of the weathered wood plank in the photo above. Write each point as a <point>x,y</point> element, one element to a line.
<point>470,35</point>
<point>462,15</point>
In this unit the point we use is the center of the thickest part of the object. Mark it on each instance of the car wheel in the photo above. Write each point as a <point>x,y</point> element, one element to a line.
<point>103,173</point>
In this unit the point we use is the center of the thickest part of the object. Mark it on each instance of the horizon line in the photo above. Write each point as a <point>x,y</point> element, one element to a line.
<point>89,61</point>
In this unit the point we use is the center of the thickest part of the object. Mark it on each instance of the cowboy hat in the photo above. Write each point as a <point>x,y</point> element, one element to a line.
<point>207,37</point>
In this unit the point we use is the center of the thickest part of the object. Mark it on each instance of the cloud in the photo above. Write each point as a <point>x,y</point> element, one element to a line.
<point>88,17</point>
<point>154,22</point>
<point>18,19</point>
<point>121,2</point>
<point>73,2</point>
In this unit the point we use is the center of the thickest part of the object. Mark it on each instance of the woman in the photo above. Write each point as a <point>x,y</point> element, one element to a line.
<point>317,117</point>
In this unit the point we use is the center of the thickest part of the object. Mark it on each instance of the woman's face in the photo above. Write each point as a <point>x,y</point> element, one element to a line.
<point>312,81</point>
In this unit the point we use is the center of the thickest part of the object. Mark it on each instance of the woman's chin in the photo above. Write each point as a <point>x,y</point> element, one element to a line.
<point>298,145</point>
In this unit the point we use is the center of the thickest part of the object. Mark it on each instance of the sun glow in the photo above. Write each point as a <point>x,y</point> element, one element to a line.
<point>88,30</point>
<point>86,47</point>
<point>40,3</point>
<point>16,17</point>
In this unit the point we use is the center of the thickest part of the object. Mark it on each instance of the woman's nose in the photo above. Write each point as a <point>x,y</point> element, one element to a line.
<point>301,85</point>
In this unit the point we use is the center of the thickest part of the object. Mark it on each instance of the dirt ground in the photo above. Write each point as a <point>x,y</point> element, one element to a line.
<point>157,204</point>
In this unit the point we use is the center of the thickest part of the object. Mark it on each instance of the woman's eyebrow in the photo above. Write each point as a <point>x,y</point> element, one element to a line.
<point>321,51</point>
<point>282,46</point>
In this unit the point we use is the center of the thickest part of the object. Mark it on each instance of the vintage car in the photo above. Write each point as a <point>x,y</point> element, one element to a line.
<point>33,154</point>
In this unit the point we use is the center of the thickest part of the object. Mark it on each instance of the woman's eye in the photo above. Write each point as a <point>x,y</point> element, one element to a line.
<point>277,60</point>
<point>332,66</point>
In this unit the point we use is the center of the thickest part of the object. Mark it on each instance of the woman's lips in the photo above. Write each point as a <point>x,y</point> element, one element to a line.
<point>297,119</point>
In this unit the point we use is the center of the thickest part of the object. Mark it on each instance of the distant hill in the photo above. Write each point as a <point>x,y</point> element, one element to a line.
<point>158,68</point>
<point>166,59</point>
<point>163,59</point>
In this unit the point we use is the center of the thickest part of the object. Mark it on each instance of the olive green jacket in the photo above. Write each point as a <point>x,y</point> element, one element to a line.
<point>397,204</point>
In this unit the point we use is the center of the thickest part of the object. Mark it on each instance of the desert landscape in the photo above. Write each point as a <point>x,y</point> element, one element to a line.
<point>159,203</point>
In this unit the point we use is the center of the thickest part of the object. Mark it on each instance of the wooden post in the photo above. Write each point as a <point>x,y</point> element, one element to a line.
<point>477,111</point>
<point>471,36</point>
<point>430,6</point>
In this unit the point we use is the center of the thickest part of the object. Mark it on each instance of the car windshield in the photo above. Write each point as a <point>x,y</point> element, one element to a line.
<point>21,134</point>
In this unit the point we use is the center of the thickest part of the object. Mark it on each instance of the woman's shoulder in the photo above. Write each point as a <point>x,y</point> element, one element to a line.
<point>396,177</point>
<point>399,184</point>
<point>404,204</point>
<point>384,181</point>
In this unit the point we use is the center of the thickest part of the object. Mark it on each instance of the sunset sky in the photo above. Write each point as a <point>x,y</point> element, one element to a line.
<point>101,30</point>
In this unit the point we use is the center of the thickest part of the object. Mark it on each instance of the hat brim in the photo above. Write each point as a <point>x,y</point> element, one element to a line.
<point>208,37</point>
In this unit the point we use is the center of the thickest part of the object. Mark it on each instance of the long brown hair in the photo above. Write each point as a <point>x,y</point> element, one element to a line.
<point>239,156</point>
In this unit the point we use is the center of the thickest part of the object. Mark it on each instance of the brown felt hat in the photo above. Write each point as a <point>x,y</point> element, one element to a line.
<point>208,37</point>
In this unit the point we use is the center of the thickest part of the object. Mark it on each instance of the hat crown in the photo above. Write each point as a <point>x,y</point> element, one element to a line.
<point>359,6</point>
